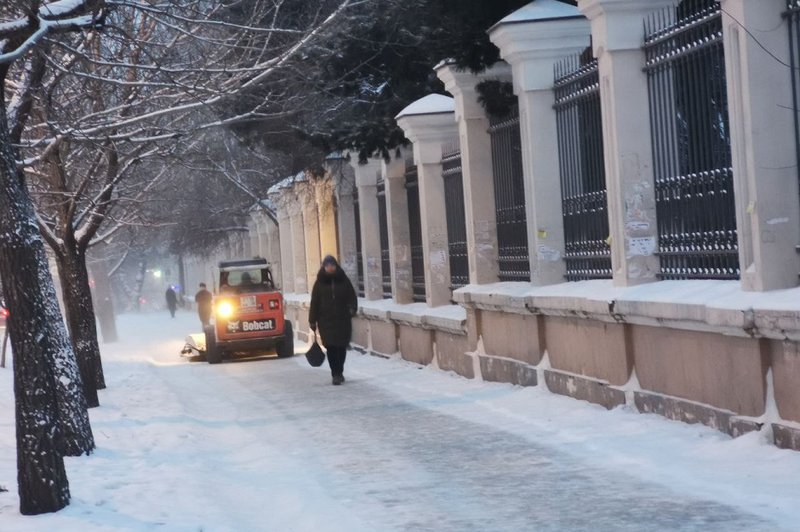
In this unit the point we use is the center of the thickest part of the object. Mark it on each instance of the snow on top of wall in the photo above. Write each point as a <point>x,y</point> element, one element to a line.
<point>297,299</point>
<point>266,204</point>
<point>541,10</point>
<point>269,205</point>
<point>446,317</point>
<point>709,304</point>
<point>450,312</point>
<point>430,105</point>
<point>280,185</point>
<point>287,183</point>
<point>377,304</point>
<point>712,293</point>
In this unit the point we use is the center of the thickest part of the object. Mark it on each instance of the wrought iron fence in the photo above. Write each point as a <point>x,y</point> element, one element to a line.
<point>793,16</point>
<point>456,216</point>
<point>509,195</point>
<point>359,254</point>
<point>691,143</point>
<point>415,232</point>
<point>582,164</point>
<point>386,261</point>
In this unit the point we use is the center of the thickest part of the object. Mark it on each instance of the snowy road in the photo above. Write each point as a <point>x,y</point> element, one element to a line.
<point>271,445</point>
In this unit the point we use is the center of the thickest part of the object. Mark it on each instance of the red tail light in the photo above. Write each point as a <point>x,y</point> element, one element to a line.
<point>4,312</point>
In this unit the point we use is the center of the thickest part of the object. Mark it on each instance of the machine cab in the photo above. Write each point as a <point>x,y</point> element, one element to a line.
<point>248,306</point>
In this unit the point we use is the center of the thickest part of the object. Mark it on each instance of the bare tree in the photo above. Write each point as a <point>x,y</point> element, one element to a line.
<point>143,93</point>
<point>51,415</point>
<point>201,65</point>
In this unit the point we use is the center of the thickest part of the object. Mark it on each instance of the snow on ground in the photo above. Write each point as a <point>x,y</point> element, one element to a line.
<point>271,445</point>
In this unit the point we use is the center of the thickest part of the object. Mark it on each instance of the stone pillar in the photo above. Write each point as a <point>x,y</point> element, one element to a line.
<point>276,250</point>
<point>307,198</point>
<point>285,236</point>
<point>326,213</point>
<point>299,265</point>
<point>394,174</point>
<point>430,123</point>
<point>273,249</point>
<point>533,40</point>
<point>263,238</point>
<point>367,183</point>
<point>230,247</point>
<point>236,250</point>
<point>213,267</point>
<point>760,100</point>
<point>254,236</point>
<point>208,271</point>
<point>242,241</point>
<point>617,39</point>
<point>476,165</point>
<point>346,219</point>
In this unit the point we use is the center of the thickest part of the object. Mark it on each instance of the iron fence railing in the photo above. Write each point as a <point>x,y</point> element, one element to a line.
<point>456,216</point>
<point>582,165</point>
<point>509,195</point>
<point>383,222</point>
<point>415,232</point>
<point>685,66</point>
<point>359,253</point>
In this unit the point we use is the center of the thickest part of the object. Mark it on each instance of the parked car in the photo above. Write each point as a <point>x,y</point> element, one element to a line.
<point>248,313</point>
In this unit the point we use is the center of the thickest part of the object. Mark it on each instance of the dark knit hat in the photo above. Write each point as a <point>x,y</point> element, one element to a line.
<point>329,260</point>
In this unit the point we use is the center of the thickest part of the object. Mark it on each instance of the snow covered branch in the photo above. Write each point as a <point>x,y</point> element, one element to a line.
<point>54,17</point>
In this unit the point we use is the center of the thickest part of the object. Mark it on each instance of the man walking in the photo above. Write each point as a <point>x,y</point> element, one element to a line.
<point>172,301</point>
<point>203,298</point>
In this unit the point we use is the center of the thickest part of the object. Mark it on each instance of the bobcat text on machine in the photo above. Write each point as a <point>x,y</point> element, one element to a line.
<point>248,314</point>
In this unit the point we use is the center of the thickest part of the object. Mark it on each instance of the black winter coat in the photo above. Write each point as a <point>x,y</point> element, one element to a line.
<point>333,304</point>
<point>172,298</point>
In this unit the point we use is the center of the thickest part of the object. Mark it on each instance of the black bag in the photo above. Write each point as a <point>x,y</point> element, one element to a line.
<point>315,355</point>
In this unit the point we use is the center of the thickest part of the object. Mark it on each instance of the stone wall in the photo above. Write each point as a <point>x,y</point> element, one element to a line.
<point>702,351</point>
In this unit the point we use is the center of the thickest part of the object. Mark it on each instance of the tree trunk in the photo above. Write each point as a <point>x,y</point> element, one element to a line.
<point>5,346</point>
<point>104,304</point>
<point>181,281</point>
<point>79,311</point>
<point>51,415</point>
<point>140,284</point>
<point>43,484</point>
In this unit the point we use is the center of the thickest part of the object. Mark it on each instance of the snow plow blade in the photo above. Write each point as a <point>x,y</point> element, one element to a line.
<point>195,348</point>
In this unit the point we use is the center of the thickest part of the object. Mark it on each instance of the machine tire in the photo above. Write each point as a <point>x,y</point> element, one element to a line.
<point>213,353</point>
<point>285,349</point>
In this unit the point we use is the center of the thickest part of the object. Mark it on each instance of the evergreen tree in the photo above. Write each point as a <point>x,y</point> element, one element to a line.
<point>384,60</point>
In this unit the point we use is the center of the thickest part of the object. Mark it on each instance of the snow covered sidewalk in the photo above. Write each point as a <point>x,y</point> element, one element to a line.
<point>271,445</point>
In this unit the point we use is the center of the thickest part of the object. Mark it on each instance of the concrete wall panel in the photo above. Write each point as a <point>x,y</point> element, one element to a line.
<point>384,337</point>
<point>785,357</point>
<point>416,345</point>
<point>510,336</point>
<point>360,332</point>
<point>451,353</point>
<point>721,371</point>
<point>510,371</point>
<point>586,347</point>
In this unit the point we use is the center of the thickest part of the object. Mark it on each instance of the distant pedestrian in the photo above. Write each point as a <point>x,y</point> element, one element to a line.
<point>203,298</point>
<point>333,305</point>
<point>172,301</point>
